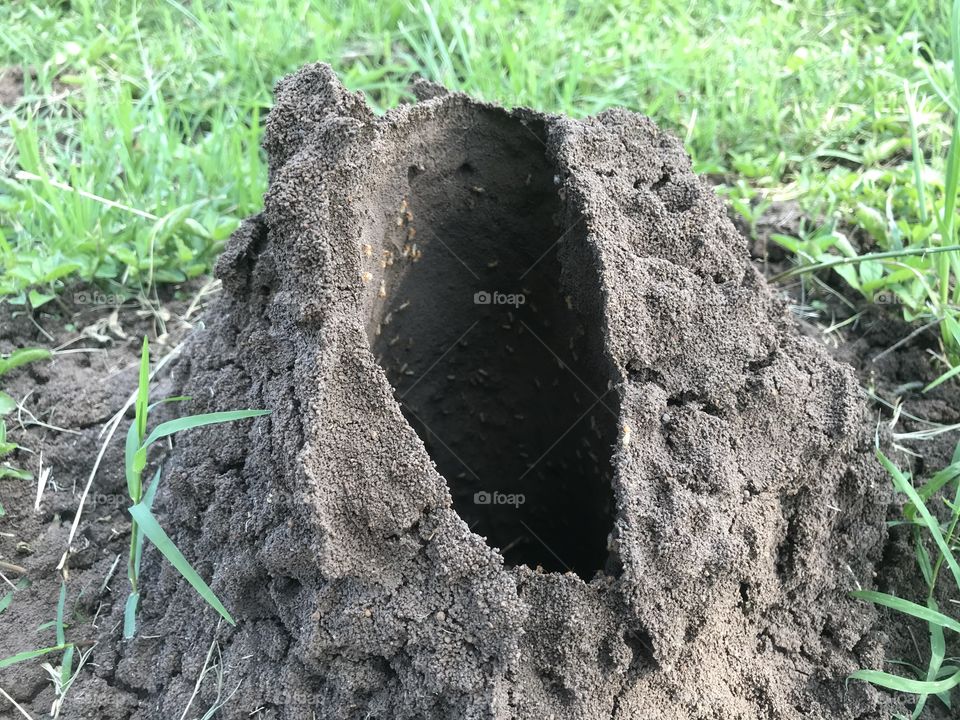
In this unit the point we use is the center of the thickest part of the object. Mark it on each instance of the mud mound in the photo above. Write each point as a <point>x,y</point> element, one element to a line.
<point>543,443</point>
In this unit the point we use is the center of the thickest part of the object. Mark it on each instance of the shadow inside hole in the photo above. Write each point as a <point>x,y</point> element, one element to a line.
<point>493,345</point>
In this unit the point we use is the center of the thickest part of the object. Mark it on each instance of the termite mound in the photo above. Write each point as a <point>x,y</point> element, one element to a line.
<point>722,504</point>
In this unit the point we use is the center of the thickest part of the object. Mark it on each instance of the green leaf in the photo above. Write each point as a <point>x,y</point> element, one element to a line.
<point>37,299</point>
<point>22,357</point>
<point>29,655</point>
<point>129,452</point>
<point>923,558</point>
<point>952,372</point>
<point>196,228</point>
<point>908,608</point>
<point>938,649</point>
<point>148,502</point>
<point>8,596</point>
<point>186,423</point>
<point>7,403</point>
<point>172,399</point>
<point>904,486</point>
<point>953,327</point>
<point>902,684</point>
<point>17,473</point>
<point>61,632</point>
<point>66,665</point>
<point>143,392</point>
<point>151,528</point>
<point>130,616</point>
<point>941,478</point>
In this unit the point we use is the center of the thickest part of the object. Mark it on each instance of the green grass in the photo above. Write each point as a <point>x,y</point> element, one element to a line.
<point>143,524</point>
<point>8,405</point>
<point>907,213</point>
<point>935,542</point>
<point>64,675</point>
<point>135,151</point>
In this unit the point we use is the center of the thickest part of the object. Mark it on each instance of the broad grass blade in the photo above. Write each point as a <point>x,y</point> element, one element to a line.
<point>904,486</point>
<point>902,684</point>
<point>149,526</point>
<point>22,357</point>
<point>143,391</point>
<point>908,608</point>
<point>130,616</point>
<point>186,423</point>
<point>129,452</point>
<point>29,655</point>
<point>61,603</point>
<point>148,502</point>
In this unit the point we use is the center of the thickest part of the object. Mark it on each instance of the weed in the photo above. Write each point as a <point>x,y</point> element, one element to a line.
<point>143,523</point>
<point>135,149</point>
<point>8,405</point>
<point>937,678</point>
<point>910,213</point>
<point>64,675</point>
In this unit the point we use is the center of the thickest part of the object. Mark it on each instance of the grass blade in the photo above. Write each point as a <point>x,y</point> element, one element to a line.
<point>130,615</point>
<point>902,684</point>
<point>66,665</point>
<point>904,486</point>
<point>938,650</point>
<point>952,372</point>
<point>908,608</point>
<point>886,255</point>
<point>143,393</point>
<point>917,153</point>
<point>6,471</point>
<point>29,655</point>
<point>171,399</point>
<point>186,423</point>
<point>7,403</point>
<point>148,502</point>
<point>129,453</point>
<point>150,527</point>
<point>22,357</point>
<point>943,477</point>
<point>61,631</point>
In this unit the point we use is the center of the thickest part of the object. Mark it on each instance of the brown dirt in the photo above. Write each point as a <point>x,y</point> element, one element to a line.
<point>78,391</point>
<point>698,490</point>
<point>11,86</point>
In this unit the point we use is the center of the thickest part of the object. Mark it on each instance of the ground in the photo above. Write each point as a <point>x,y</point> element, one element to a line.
<point>129,150</point>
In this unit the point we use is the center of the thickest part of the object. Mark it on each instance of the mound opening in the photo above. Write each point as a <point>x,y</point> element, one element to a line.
<point>484,316</point>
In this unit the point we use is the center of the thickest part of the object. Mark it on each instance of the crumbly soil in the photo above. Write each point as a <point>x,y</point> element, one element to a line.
<point>543,444</point>
<point>13,81</point>
<point>11,85</point>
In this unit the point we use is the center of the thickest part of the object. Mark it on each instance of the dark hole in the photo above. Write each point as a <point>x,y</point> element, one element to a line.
<point>286,587</point>
<point>487,325</point>
<point>661,181</point>
<point>639,642</point>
